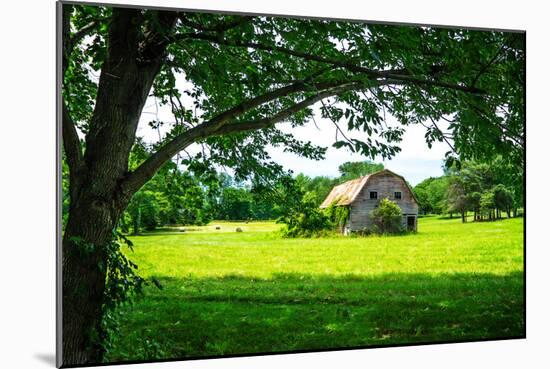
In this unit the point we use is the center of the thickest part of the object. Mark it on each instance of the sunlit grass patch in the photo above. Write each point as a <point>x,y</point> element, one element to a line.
<point>228,292</point>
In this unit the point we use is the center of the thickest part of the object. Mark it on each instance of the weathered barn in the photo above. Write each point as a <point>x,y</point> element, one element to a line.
<point>362,195</point>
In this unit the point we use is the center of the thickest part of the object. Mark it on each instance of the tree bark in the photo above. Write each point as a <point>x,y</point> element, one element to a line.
<point>132,62</point>
<point>88,230</point>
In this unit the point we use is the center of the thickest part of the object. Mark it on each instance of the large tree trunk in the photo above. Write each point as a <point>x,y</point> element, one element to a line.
<point>89,229</point>
<point>133,60</point>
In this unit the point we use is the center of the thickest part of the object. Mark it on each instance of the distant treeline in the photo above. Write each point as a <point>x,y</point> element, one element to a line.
<point>174,197</point>
<point>489,190</point>
<point>178,197</point>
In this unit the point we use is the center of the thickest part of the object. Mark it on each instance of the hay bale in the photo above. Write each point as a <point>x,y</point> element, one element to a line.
<point>218,228</point>
<point>183,230</point>
<point>239,229</point>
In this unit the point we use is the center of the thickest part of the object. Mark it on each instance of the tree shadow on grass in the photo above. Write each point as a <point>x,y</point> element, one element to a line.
<point>199,317</point>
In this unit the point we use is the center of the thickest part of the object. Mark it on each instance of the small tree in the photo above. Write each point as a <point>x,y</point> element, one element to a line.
<point>387,217</point>
<point>487,204</point>
<point>305,219</point>
<point>504,199</point>
<point>474,200</point>
<point>457,196</point>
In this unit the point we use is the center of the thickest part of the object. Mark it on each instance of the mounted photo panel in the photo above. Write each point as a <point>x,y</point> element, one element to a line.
<point>236,184</point>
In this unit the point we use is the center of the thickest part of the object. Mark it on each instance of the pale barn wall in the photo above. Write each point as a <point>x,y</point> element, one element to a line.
<point>385,184</point>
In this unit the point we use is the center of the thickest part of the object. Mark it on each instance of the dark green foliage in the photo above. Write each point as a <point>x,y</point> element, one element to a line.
<point>474,202</point>
<point>235,200</point>
<point>432,195</point>
<point>65,198</point>
<point>177,197</point>
<point>122,285</point>
<point>305,220</point>
<point>338,215</point>
<point>319,186</point>
<point>504,199</point>
<point>353,170</point>
<point>485,188</point>
<point>144,210</point>
<point>172,196</point>
<point>122,281</point>
<point>235,204</point>
<point>457,196</point>
<point>463,186</point>
<point>487,204</point>
<point>387,217</point>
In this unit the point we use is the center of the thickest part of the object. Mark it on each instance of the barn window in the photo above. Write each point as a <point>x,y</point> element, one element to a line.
<point>373,195</point>
<point>397,195</point>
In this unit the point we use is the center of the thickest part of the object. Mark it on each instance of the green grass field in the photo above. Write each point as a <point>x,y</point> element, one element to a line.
<point>233,293</point>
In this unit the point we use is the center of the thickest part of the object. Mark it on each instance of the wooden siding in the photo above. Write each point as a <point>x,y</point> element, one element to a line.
<point>385,184</point>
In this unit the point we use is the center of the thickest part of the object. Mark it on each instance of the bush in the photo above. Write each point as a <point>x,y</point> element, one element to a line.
<point>337,215</point>
<point>144,209</point>
<point>305,220</point>
<point>387,217</point>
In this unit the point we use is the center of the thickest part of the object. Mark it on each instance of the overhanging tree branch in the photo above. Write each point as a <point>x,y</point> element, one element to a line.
<point>71,143</point>
<point>303,85</point>
<point>71,40</point>
<point>221,27</point>
<point>157,35</point>
<point>236,127</point>
<point>398,75</point>
<point>216,127</point>
<point>486,66</point>
<point>81,33</point>
<point>259,46</point>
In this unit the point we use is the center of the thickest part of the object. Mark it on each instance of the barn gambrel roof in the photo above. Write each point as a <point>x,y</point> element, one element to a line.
<point>347,192</point>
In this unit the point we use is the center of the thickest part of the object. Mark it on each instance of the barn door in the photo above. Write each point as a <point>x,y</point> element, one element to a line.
<point>411,223</point>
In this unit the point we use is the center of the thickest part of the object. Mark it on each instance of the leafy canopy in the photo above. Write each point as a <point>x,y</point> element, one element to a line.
<point>235,77</point>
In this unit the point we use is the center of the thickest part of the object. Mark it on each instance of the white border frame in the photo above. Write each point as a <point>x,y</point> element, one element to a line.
<point>28,182</point>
